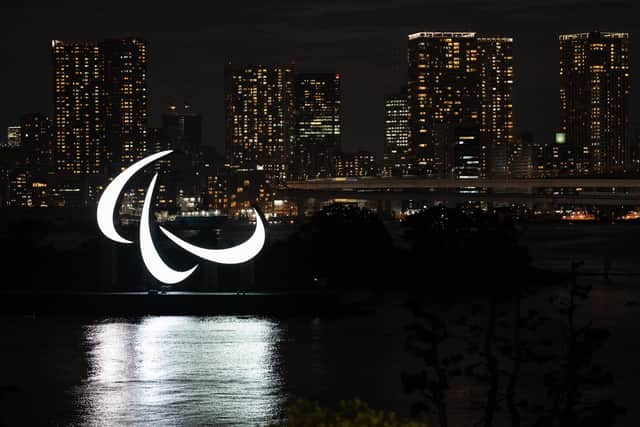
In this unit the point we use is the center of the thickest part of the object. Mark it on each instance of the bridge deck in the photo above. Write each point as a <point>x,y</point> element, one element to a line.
<point>412,183</point>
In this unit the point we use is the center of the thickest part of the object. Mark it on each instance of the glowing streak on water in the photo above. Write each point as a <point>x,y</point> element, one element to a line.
<point>183,371</point>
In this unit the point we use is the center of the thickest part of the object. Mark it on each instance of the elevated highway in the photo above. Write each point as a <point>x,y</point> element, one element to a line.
<point>531,192</point>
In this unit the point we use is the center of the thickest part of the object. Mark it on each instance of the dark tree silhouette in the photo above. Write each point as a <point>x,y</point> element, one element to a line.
<point>574,380</point>
<point>342,247</point>
<point>480,276</point>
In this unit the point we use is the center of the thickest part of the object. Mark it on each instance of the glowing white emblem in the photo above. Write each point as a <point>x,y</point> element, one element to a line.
<point>150,256</point>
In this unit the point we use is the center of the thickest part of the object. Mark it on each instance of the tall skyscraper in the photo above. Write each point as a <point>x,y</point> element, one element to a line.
<point>37,140</point>
<point>100,104</point>
<point>495,61</point>
<point>79,107</point>
<point>594,102</point>
<point>258,118</point>
<point>14,137</point>
<point>442,94</point>
<point>125,86</point>
<point>397,153</point>
<point>318,129</point>
<point>182,129</point>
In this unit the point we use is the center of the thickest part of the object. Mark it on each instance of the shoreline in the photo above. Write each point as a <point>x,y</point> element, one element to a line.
<point>174,303</point>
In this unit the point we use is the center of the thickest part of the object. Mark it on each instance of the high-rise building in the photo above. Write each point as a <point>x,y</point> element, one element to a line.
<point>37,140</point>
<point>467,153</point>
<point>442,95</point>
<point>79,107</point>
<point>594,102</point>
<point>495,61</point>
<point>100,104</point>
<point>258,118</point>
<point>156,142</point>
<point>358,164</point>
<point>20,189</point>
<point>521,156</point>
<point>218,195</point>
<point>397,153</point>
<point>182,130</point>
<point>125,86</point>
<point>14,136</point>
<point>318,113</point>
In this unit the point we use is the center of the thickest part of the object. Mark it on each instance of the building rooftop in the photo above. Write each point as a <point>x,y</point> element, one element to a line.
<point>503,39</point>
<point>583,36</point>
<point>441,35</point>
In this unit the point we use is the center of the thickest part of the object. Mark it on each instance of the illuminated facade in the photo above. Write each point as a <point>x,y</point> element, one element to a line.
<point>467,153</point>
<point>359,164</point>
<point>14,136</point>
<point>217,193</point>
<point>20,193</point>
<point>496,97</point>
<point>318,112</point>
<point>100,104</point>
<point>125,86</point>
<point>443,79</point>
<point>246,189</point>
<point>79,107</point>
<point>397,153</point>
<point>37,139</point>
<point>258,118</point>
<point>594,103</point>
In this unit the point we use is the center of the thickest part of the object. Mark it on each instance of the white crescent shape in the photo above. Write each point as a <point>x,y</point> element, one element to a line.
<point>150,255</point>
<point>234,255</point>
<point>109,198</point>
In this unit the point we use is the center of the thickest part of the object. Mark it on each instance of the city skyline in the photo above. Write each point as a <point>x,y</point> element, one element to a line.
<point>285,126</point>
<point>380,50</point>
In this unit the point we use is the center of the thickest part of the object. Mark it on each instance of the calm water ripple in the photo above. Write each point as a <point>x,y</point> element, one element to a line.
<point>182,371</point>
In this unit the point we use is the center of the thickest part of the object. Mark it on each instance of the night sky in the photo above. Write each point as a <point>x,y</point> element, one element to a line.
<point>365,41</point>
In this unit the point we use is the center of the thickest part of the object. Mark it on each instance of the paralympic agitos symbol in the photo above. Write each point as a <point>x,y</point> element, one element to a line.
<point>150,256</point>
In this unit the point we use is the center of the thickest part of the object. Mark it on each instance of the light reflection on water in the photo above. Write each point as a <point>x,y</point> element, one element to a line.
<point>182,371</point>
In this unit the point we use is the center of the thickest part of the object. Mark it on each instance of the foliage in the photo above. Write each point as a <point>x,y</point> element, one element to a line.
<point>342,246</point>
<point>352,413</point>
<point>477,327</point>
<point>574,379</point>
<point>465,250</point>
